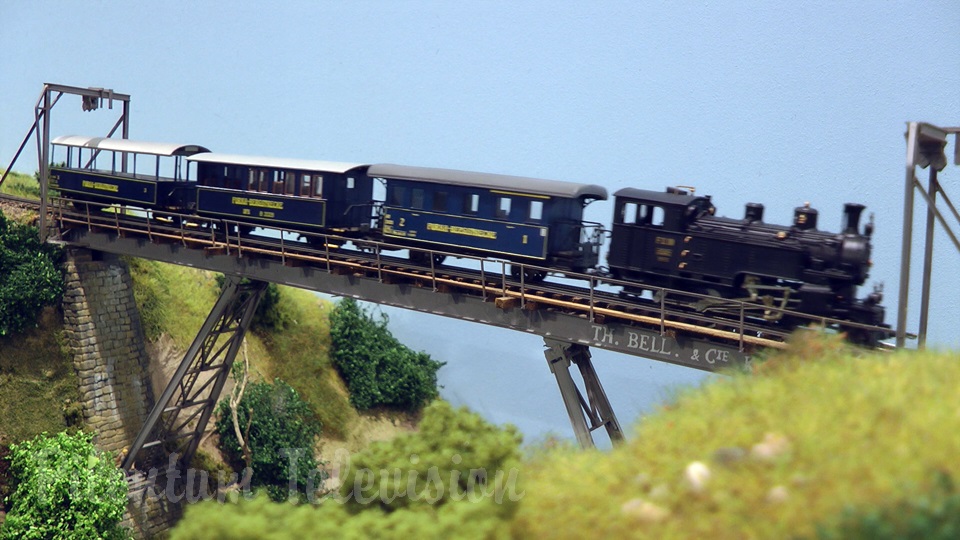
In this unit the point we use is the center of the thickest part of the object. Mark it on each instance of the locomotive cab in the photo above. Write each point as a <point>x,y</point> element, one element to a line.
<point>649,233</point>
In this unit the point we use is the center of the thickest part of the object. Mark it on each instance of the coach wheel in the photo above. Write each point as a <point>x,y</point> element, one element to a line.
<point>530,275</point>
<point>534,276</point>
<point>422,258</point>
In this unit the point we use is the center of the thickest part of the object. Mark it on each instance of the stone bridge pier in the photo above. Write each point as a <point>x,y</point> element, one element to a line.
<point>102,329</point>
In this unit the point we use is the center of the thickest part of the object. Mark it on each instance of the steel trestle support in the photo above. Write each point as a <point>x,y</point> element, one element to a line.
<point>179,418</point>
<point>596,407</point>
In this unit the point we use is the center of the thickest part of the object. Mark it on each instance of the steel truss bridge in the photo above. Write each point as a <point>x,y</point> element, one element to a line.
<point>571,315</point>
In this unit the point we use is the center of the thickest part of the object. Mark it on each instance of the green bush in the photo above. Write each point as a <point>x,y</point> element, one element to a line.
<point>455,455</point>
<point>66,489</point>
<point>422,485</point>
<point>281,427</point>
<point>934,515</point>
<point>378,369</point>
<point>29,277</point>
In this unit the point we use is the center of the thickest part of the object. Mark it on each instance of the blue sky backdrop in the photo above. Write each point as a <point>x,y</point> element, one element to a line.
<point>771,102</point>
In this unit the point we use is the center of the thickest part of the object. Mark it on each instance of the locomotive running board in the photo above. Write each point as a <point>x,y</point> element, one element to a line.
<point>596,407</point>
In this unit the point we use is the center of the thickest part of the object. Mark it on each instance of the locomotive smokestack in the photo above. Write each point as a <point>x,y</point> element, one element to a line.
<point>804,217</point>
<point>754,212</point>
<point>851,214</point>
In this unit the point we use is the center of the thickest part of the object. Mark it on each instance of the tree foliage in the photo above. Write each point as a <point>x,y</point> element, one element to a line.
<point>66,489</point>
<point>29,277</point>
<point>441,463</point>
<point>378,369</point>
<point>278,427</point>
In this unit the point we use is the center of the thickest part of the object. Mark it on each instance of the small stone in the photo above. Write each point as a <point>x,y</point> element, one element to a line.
<point>645,511</point>
<point>777,495</point>
<point>773,446</point>
<point>642,480</point>
<point>660,491</point>
<point>729,455</point>
<point>696,475</point>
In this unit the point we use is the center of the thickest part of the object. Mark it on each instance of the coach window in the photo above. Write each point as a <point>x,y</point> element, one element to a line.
<point>473,204</point>
<point>291,183</point>
<point>536,210</point>
<point>317,185</point>
<point>396,196</point>
<point>279,178</point>
<point>440,201</point>
<point>658,216</point>
<point>417,201</point>
<point>629,213</point>
<point>306,185</point>
<point>503,207</point>
<point>350,182</point>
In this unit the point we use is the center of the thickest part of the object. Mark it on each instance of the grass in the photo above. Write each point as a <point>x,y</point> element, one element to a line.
<point>846,430</point>
<point>300,356</point>
<point>38,385</point>
<point>21,185</point>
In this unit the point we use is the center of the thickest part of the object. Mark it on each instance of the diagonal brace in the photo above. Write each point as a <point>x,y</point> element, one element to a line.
<point>595,408</point>
<point>171,422</point>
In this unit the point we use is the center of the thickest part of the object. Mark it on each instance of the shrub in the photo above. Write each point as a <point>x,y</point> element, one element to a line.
<point>66,489</point>
<point>450,443</point>
<point>29,277</point>
<point>934,515</point>
<point>455,455</point>
<point>278,427</point>
<point>378,369</point>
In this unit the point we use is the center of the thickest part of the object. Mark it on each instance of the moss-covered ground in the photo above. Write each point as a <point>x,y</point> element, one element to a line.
<point>38,385</point>
<point>817,430</point>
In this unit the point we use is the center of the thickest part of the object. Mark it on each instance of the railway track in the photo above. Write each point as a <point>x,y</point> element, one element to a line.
<point>22,202</point>
<point>486,278</point>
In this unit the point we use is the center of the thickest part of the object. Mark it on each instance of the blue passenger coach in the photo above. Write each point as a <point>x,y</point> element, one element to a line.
<point>122,171</point>
<point>277,192</point>
<point>526,219</point>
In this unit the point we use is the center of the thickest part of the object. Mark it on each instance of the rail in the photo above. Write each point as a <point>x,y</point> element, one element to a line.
<point>592,296</point>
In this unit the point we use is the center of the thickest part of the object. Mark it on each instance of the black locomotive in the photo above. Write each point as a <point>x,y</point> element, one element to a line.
<point>669,239</point>
<point>674,240</point>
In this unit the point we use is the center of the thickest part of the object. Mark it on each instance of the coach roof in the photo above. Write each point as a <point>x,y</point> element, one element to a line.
<point>278,163</point>
<point>452,177</point>
<point>128,145</point>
